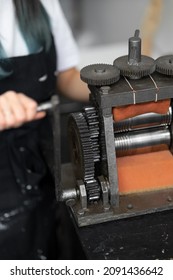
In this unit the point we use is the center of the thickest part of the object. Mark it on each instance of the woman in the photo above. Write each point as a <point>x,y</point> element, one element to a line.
<point>37,55</point>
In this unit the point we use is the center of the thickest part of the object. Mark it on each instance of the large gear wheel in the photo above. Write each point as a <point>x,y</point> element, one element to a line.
<point>100,74</point>
<point>134,65</point>
<point>82,154</point>
<point>97,134</point>
<point>93,125</point>
<point>164,65</point>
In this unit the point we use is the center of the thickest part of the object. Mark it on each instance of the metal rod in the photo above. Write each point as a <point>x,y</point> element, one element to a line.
<point>48,105</point>
<point>134,56</point>
<point>144,121</point>
<point>141,139</point>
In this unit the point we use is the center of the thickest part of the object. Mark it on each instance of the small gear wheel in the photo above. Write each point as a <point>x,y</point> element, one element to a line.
<point>164,65</point>
<point>100,74</point>
<point>145,67</point>
<point>134,65</point>
<point>93,125</point>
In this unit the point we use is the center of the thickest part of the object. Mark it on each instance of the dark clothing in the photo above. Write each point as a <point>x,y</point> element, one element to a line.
<point>27,200</point>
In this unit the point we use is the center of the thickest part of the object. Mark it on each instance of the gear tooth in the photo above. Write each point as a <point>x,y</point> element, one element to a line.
<point>93,190</point>
<point>79,131</point>
<point>100,74</point>
<point>164,65</point>
<point>86,155</point>
<point>93,124</point>
<point>142,69</point>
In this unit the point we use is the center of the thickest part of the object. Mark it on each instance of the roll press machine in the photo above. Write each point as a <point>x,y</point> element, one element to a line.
<point>121,144</point>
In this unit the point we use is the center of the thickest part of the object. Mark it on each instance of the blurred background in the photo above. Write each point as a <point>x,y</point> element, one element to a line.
<point>102,28</point>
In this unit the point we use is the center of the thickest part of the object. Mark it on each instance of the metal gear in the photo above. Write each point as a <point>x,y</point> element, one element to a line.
<point>100,74</point>
<point>97,135</point>
<point>164,65</point>
<point>82,154</point>
<point>145,67</point>
<point>134,65</point>
<point>93,124</point>
<point>102,143</point>
<point>97,132</point>
<point>93,190</point>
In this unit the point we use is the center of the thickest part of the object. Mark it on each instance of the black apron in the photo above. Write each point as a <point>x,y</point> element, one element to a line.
<point>27,199</point>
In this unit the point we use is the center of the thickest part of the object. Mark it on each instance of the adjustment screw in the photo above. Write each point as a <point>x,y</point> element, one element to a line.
<point>105,89</point>
<point>169,199</point>
<point>81,212</point>
<point>129,206</point>
<point>106,207</point>
<point>70,202</point>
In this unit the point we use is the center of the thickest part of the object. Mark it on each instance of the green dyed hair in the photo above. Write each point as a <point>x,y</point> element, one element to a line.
<point>35,28</point>
<point>34,24</point>
<point>4,64</point>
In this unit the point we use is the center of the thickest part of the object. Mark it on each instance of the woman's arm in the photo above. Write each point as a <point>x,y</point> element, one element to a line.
<point>71,86</point>
<point>17,109</point>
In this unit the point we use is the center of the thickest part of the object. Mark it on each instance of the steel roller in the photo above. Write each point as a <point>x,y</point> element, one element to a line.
<point>140,139</point>
<point>144,121</point>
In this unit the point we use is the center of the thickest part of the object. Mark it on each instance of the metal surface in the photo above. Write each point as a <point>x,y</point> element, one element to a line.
<point>69,194</point>
<point>144,90</point>
<point>139,139</point>
<point>134,56</point>
<point>111,160</point>
<point>83,196</point>
<point>49,105</point>
<point>144,121</point>
<point>131,205</point>
<point>105,192</point>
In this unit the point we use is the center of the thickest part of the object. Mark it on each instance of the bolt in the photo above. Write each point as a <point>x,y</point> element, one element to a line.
<point>130,206</point>
<point>169,199</point>
<point>81,212</point>
<point>106,207</point>
<point>100,71</point>
<point>105,89</point>
<point>70,202</point>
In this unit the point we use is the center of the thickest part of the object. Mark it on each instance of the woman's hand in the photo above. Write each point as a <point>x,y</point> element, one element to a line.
<point>16,109</point>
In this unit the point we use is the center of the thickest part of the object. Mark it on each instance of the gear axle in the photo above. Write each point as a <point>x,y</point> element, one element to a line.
<point>134,65</point>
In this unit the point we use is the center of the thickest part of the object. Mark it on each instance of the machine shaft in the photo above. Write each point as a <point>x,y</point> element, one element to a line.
<point>141,139</point>
<point>144,121</point>
<point>134,56</point>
